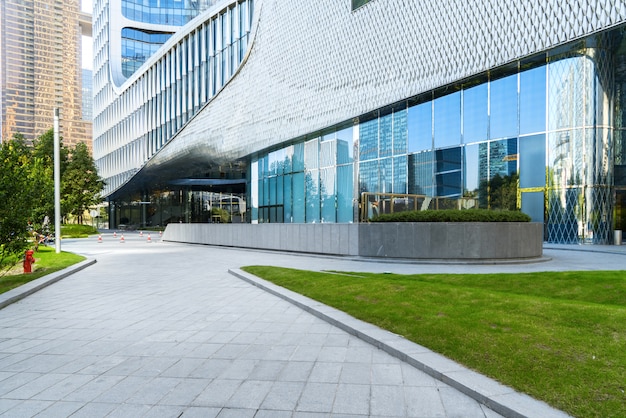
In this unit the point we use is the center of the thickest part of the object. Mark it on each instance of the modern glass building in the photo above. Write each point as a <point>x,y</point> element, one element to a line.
<point>334,111</point>
<point>40,68</point>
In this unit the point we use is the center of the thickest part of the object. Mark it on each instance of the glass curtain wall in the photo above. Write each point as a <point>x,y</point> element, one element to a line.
<point>311,181</point>
<point>536,136</point>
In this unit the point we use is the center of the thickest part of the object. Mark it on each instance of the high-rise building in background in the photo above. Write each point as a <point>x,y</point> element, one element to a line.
<point>40,68</point>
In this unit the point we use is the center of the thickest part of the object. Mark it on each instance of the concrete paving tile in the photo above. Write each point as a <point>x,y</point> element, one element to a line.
<point>317,397</point>
<point>183,367</point>
<point>296,371</point>
<point>35,386</point>
<point>352,399</point>
<point>217,393</point>
<point>164,411</point>
<point>358,373</point>
<point>61,389</point>
<point>283,396</point>
<point>249,395</point>
<point>236,413</point>
<point>330,354</point>
<point>28,408</point>
<point>200,412</point>
<point>387,374</point>
<point>15,381</point>
<point>185,392</point>
<point>424,402</point>
<point>129,410</point>
<point>239,369</point>
<point>93,388</point>
<point>267,370</point>
<point>272,413</point>
<point>211,368</point>
<point>154,390</point>
<point>6,404</point>
<point>154,366</point>
<point>60,410</point>
<point>387,401</point>
<point>457,405</point>
<point>123,390</point>
<point>94,409</point>
<point>326,372</point>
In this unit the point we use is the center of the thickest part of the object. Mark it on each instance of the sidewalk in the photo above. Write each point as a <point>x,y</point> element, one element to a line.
<point>158,329</point>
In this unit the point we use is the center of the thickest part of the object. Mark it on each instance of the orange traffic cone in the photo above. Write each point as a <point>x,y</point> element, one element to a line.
<point>160,233</point>
<point>141,233</point>
<point>149,239</point>
<point>99,239</point>
<point>122,239</point>
<point>114,234</point>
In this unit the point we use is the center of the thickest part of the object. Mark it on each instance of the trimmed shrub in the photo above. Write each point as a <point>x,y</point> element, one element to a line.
<point>453,215</point>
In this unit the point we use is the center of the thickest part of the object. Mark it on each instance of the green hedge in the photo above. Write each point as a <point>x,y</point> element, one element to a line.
<point>450,215</point>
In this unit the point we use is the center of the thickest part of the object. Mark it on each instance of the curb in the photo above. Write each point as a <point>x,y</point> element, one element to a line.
<point>29,288</point>
<point>498,397</point>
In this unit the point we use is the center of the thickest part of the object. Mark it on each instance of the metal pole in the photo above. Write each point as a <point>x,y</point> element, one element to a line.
<point>57,183</point>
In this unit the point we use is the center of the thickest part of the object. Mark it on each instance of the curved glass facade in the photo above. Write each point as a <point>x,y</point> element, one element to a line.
<point>138,46</point>
<point>404,123</point>
<point>151,110</point>
<point>536,135</point>
<point>164,12</point>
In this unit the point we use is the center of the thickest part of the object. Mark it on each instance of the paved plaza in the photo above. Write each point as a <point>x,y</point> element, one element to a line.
<point>164,330</point>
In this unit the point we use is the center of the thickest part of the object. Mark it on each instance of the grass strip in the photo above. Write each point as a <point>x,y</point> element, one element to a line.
<point>46,261</point>
<point>557,336</point>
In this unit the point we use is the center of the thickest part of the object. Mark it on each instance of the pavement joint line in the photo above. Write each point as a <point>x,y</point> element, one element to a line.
<point>27,289</point>
<point>498,397</point>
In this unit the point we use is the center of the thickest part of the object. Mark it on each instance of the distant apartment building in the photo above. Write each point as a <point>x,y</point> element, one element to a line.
<point>40,69</point>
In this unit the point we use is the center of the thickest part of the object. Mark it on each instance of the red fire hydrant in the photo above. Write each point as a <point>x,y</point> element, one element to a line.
<point>28,261</point>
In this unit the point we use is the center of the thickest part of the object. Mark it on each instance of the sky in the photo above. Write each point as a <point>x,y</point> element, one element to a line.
<point>86,6</point>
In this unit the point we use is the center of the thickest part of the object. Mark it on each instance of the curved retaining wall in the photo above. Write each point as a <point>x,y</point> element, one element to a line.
<point>443,240</point>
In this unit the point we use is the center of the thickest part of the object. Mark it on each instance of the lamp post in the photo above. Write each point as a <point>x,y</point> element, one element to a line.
<point>57,183</point>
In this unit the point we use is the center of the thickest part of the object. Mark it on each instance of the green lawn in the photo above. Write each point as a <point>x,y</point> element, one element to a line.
<point>46,261</point>
<point>557,336</point>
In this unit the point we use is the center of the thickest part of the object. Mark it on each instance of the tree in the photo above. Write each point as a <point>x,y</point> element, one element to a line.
<point>16,199</point>
<point>42,165</point>
<point>80,182</point>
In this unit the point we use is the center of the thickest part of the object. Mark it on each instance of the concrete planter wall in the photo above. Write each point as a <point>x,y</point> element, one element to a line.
<point>420,240</point>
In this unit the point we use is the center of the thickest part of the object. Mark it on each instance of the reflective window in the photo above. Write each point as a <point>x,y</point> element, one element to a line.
<point>298,186</point>
<point>532,161</point>
<point>448,159</point>
<point>287,198</point>
<point>447,120</point>
<point>399,132</point>
<point>298,157</point>
<point>400,174</point>
<point>532,205</point>
<point>385,137</point>
<point>368,176</point>
<point>502,157</point>
<point>345,191</point>
<point>448,184</point>
<point>475,114</point>
<point>327,194</point>
<point>368,140</point>
<point>532,101</point>
<point>312,190</point>
<point>420,128</point>
<point>138,46</point>
<point>471,173</point>
<point>568,91</point>
<point>345,146</point>
<point>503,107</point>
<point>385,175</point>
<point>421,173</point>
